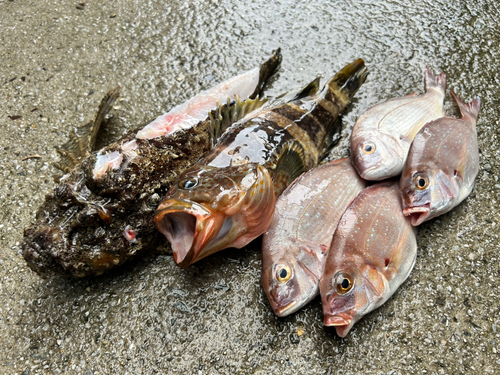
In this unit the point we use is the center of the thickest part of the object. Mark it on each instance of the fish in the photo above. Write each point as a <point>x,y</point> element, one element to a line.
<point>442,164</point>
<point>296,244</point>
<point>382,135</point>
<point>372,253</point>
<point>100,214</point>
<point>227,199</point>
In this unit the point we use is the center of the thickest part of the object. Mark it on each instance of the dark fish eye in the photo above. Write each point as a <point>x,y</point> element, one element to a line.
<point>188,183</point>
<point>283,274</point>
<point>369,148</point>
<point>343,283</point>
<point>421,182</point>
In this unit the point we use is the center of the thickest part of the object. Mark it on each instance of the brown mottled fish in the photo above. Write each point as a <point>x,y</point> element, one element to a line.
<point>228,198</point>
<point>383,134</point>
<point>442,165</point>
<point>100,215</point>
<point>373,251</point>
<point>296,244</point>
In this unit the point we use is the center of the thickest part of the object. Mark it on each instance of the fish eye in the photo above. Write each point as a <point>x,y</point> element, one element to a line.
<point>421,182</point>
<point>188,183</point>
<point>369,148</point>
<point>343,283</point>
<point>283,274</point>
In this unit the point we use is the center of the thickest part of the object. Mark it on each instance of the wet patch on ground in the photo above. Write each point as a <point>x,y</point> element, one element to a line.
<point>59,58</point>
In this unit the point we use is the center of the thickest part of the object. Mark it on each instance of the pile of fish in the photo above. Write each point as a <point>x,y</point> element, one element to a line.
<point>356,244</point>
<point>231,166</point>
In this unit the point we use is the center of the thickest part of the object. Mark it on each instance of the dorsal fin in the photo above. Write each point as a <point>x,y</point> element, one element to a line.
<point>82,140</point>
<point>228,113</point>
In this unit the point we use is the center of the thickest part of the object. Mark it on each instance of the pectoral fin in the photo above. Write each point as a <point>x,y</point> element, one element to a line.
<point>290,165</point>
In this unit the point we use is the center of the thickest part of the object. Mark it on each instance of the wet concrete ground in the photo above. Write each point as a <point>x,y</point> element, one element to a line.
<point>57,60</point>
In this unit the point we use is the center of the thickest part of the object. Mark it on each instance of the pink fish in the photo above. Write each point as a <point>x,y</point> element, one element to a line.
<point>442,165</point>
<point>383,134</point>
<point>372,253</point>
<point>296,244</point>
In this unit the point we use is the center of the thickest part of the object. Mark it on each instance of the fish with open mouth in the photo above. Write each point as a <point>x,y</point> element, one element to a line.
<point>227,199</point>
<point>372,253</point>
<point>383,134</point>
<point>442,164</point>
<point>295,246</point>
<point>101,213</point>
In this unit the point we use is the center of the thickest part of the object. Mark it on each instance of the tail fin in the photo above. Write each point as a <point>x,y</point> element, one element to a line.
<point>433,82</point>
<point>348,80</point>
<point>468,111</point>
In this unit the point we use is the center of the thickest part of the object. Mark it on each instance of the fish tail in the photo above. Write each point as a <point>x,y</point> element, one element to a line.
<point>469,111</point>
<point>433,82</point>
<point>348,80</point>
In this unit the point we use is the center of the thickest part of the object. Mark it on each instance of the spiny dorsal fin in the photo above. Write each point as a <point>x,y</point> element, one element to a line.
<point>289,166</point>
<point>228,113</point>
<point>82,140</point>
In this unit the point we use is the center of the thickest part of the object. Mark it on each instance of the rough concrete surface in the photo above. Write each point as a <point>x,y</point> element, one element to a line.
<point>59,57</point>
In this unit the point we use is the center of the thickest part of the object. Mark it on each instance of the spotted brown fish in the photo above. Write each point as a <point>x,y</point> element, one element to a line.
<point>101,213</point>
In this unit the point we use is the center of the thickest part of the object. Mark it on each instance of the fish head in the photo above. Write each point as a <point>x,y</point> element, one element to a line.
<point>376,155</point>
<point>209,209</point>
<point>291,282</point>
<point>428,191</point>
<point>348,295</point>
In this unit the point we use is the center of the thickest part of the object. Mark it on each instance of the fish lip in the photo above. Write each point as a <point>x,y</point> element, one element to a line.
<point>286,310</point>
<point>340,320</point>
<point>417,214</point>
<point>181,237</point>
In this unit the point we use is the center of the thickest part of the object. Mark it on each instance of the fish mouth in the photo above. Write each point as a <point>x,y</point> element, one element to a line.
<point>182,223</point>
<point>341,322</point>
<point>336,321</point>
<point>417,214</point>
<point>286,310</point>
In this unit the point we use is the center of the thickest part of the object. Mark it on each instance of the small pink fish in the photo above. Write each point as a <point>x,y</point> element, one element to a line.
<point>383,134</point>
<point>442,165</point>
<point>372,253</point>
<point>296,244</point>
